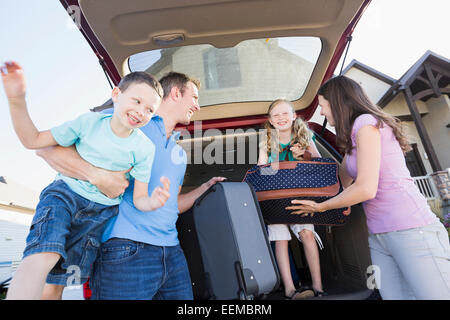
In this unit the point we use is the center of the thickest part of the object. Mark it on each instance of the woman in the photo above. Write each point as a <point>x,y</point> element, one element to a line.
<point>407,241</point>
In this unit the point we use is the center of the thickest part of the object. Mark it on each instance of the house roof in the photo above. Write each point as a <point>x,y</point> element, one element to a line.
<point>365,68</point>
<point>429,56</point>
<point>15,195</point>
<point>415,76</point>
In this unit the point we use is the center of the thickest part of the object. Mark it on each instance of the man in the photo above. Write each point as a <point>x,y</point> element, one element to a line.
<point>140,256</point>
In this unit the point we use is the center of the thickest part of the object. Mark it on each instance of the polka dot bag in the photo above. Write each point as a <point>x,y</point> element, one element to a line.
<point>278,183</point>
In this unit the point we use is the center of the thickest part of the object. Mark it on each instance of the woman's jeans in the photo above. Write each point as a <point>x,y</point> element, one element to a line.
<point>413,263</point>
<point>129,270</point>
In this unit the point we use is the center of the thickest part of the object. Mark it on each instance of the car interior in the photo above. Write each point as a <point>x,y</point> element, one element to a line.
<point>345,257</point>
<point>246,54</point>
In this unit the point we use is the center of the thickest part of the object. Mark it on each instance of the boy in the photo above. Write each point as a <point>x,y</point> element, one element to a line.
<point>70,217</point>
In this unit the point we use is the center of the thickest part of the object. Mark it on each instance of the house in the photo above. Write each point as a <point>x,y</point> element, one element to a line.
<point>420,98</point>
<point>17,207</point>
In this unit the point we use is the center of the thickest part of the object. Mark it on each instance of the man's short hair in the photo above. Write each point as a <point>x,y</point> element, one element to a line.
<point>140,77</point>
<point>176,79</point>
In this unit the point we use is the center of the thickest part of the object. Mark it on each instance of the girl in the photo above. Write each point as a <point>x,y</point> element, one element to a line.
<point>407,241</point>
<point>288,138</point>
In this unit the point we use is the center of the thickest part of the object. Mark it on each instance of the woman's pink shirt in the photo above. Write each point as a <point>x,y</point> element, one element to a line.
<point>398,204</point>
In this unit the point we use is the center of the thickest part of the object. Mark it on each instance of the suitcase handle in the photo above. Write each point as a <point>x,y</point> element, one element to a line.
<point>200,199</point>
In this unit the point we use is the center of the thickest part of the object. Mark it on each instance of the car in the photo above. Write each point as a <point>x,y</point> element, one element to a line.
<point>246,54</point>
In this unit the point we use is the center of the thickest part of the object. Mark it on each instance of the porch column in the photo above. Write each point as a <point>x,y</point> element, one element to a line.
<point>429,149</point>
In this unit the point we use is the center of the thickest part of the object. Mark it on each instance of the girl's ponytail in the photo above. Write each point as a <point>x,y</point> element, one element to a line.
<point>301,133</point>
<point>271,139</point>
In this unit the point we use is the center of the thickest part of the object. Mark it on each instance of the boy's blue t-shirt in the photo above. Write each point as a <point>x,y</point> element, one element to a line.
<point>156,227</point>
<point>97,144</point>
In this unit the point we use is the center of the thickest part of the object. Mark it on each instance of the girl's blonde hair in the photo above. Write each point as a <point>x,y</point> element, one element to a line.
<point>300,131</point>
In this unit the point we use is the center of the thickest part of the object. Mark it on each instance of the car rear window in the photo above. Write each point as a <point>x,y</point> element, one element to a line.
<point>253,70</point>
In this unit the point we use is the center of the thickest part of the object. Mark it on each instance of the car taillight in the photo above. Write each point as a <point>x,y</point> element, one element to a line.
<point>87,292</point>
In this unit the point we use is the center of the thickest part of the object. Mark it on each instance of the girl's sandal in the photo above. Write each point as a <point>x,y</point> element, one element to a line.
<point>301,293</point>
<point>320,293</point>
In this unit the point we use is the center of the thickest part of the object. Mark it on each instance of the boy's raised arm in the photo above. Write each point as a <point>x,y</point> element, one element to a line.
<point>15,88</point>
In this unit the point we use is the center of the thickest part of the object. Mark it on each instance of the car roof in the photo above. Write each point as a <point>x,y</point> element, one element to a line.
<point>116,30</point>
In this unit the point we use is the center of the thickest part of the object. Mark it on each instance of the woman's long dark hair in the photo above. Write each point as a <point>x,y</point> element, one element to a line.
<point>348,101</point>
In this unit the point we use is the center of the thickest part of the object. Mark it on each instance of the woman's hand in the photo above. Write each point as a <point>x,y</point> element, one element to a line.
<point>306,207</point>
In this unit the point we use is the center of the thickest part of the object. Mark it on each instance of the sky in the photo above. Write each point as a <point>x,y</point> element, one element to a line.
<point>64,78</point>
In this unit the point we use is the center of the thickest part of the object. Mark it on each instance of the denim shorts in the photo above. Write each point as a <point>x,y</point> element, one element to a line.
<point>129,270</point>
<point>70,225</point>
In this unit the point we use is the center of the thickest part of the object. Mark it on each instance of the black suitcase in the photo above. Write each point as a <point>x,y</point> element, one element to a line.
<point>226,245</point>
<point>187,235</point>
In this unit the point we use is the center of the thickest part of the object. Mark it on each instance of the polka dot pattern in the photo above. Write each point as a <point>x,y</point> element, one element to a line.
<point>273,212</point>
<point>305,175</point>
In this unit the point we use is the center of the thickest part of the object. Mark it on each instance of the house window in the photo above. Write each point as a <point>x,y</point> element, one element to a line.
<point>414,162</point>
<point>222,69</point>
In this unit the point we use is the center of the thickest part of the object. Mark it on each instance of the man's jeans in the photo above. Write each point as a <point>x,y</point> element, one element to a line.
<point>413,263</point>
<point>129,270</point>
